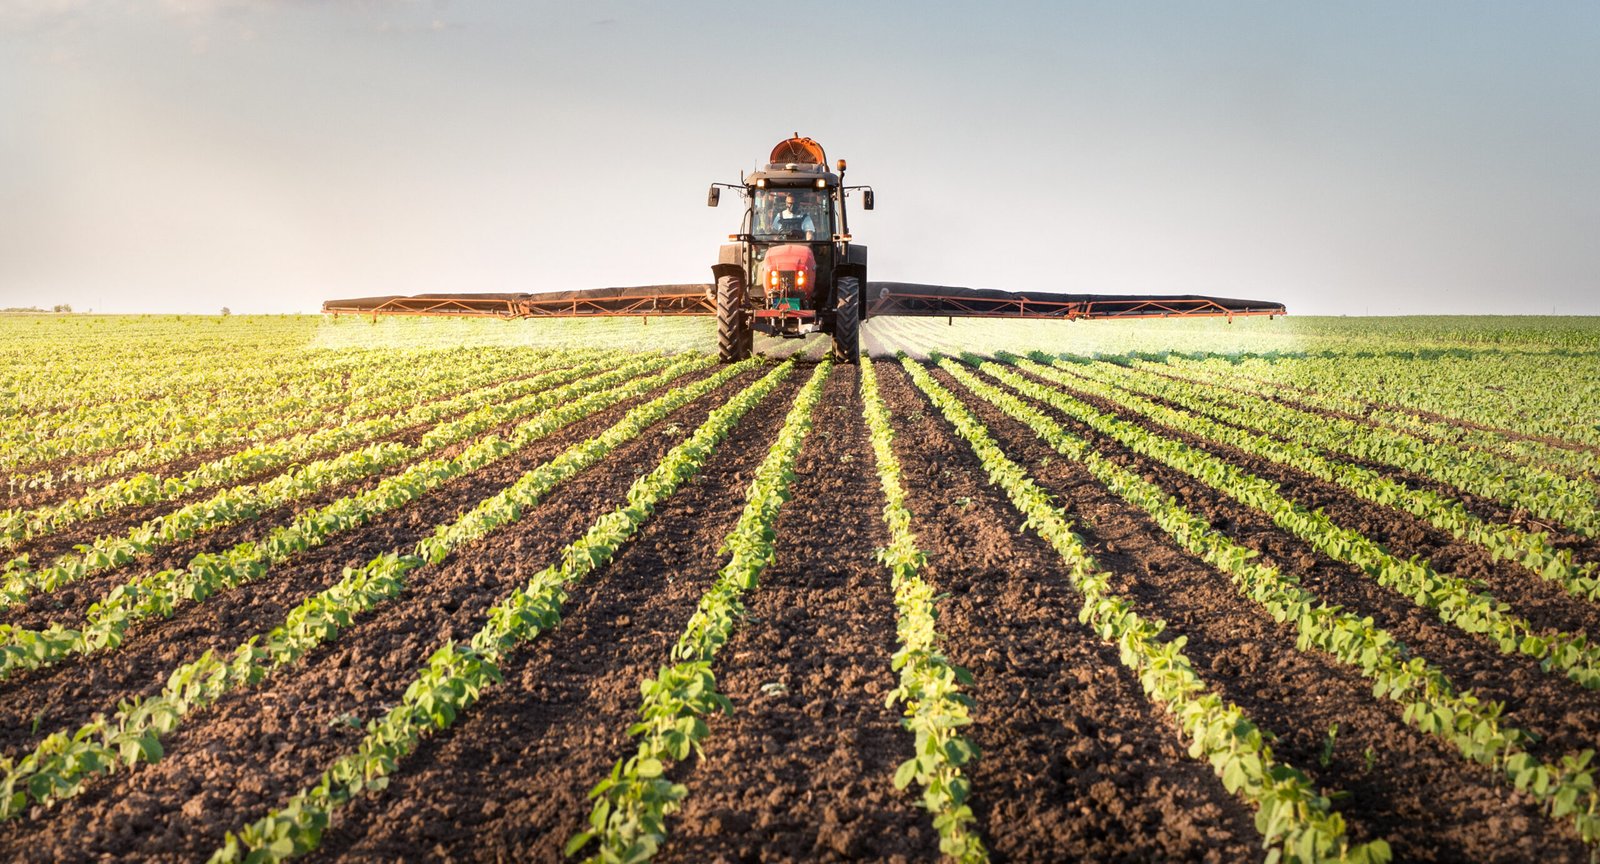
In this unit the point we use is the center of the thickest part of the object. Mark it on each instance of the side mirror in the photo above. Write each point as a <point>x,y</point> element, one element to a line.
<point>713,197</point>
<point>866,199</point>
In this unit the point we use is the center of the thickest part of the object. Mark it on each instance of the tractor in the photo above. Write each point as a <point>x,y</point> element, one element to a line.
<point>792,269</point>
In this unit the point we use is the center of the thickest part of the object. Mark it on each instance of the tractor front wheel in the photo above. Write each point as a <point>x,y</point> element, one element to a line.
<point>847,320</point>
<point>734,339</point>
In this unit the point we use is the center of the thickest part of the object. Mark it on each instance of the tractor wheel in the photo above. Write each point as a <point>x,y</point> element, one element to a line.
<point>734,340</point>
<point>847,321</point>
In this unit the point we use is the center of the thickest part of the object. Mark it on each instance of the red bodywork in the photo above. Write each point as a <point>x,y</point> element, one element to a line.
<point>791,279</point>
<point>796,266</point>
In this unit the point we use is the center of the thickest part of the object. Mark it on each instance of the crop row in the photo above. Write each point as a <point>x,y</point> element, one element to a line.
<point>1530,392</point>
<point>930,685</point>
<point>1534,551</point>
<point>1570,458</point>
<point>55,366</point>
<point>1431,702</point>
<point>1290,813</point>
<point>64,760</point>
<point>1551,496</point>
<point>631,805</point>
<point>399,389</point>
<point>1451,598</point>
<point>248,501</point>
<point>158,594</point>
<point>313,399</point>
<point>457,675</point>
<point>80,394</point>
<point>19,525</point>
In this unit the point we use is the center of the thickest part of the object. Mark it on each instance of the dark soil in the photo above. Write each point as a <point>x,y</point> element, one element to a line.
<point>1563,714</point>
<point>60,492</point>
<point>1585,548</point>
<point>804,768</point>
<point>118,522</point>
<point>257,748</point>
<point>1413,790</point>
<point>39,702</point>
<point>69,603</point>
<point>510,781</point>
<point>1076,764</point>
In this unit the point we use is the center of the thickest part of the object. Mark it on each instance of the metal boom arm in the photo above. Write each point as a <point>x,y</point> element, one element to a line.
<point>883,298</point>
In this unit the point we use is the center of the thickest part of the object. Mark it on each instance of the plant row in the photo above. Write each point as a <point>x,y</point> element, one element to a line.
<point>1575,463</point>
<point>59,766</point>
<point>1430,700</point>
<point>18,525</point>
<point>156,595</point>
<point>1533,551</point>
<point>87,429</point>
<point>156,436</point>
<point>1291,815</point>
<point>399,390</point>
<point>249,501</point>
<point>64,369</point>
<point>1452,599</point>
<point>628,820</point>
<point>1570,502</point>
<point>457,675</point>
<point>930,685</point>
<point>1527,394</point>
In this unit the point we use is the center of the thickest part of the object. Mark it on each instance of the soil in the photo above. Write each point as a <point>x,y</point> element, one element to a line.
<point>1413,790</point>
<point>68,603</point>
<point>1564,715</point>
<point>803,770</point>
<point>120,521</point>
<point>256,748</point>
<point>510,782</point>
<point>39,702</point>
<point>1585,548</point>
<point>1075,764</point>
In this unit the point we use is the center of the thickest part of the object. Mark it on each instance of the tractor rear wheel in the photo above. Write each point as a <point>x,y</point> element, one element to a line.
<point>847,320</point>
<point>734,340</point>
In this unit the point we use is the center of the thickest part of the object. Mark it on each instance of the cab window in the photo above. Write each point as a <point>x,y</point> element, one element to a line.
<point>790,214</point>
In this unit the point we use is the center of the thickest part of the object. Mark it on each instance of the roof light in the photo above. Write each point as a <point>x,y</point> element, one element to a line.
<point>822,183</point>
<point>761,183</point>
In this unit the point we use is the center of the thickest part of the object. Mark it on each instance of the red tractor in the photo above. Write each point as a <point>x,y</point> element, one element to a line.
<point>792,270</point>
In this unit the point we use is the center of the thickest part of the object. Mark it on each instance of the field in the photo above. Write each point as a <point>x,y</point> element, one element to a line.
<point>1305,589</point>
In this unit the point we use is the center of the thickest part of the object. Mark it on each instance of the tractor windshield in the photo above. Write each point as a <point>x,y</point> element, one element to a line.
<point>791,214</point>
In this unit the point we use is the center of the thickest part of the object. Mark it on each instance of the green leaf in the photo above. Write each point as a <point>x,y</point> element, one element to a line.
<point>906,773</point>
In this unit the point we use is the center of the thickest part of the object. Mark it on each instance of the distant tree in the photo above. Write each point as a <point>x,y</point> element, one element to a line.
<point>226,311</point>
<point>62,307</point>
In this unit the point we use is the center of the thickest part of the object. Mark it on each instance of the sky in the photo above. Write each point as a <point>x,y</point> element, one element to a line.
<point>1342,158</point>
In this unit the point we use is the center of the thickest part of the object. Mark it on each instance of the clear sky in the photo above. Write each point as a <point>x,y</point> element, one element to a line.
<point>1382,158</point>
